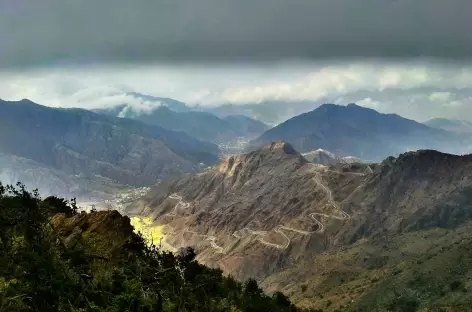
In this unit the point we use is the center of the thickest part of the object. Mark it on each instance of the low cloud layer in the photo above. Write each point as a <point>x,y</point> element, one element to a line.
<point>41,33</point>
<point>417,90</point>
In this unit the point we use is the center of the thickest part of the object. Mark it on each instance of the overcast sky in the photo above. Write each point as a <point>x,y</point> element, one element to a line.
<point>411,57</point>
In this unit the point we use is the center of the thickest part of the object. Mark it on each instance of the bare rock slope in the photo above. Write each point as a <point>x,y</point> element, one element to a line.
<point>260,214</point>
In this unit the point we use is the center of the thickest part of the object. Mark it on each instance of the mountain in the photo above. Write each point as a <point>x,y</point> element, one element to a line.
<point>452,125</point>
<point>172,104</point>
<point>323,157</point>
<point>149,103</point>
<point>93,147</point>
<point>201,125</point>
<point>268,112</point>
<point>333,237</point>
<point>353,130</point>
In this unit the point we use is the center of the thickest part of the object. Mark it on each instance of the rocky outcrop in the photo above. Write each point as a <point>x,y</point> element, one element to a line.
<point>102,233</point>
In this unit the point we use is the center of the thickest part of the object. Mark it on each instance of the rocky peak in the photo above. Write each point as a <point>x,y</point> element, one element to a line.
<point>271,154</point>
<point>280,146</point>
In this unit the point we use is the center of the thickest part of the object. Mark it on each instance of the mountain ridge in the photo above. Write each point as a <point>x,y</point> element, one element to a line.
<point>265,212</point>
<point>199,124</point>
<point>353,130</point>
<point>453,125</point>
<point>80,142</point>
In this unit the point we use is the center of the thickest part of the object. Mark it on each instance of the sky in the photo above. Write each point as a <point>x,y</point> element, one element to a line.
<point>408,57</point>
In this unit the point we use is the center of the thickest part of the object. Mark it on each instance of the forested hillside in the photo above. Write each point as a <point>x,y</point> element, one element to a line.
<point>53,258</point>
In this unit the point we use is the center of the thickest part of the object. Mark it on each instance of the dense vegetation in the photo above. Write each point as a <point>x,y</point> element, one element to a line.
<point>39,271</point>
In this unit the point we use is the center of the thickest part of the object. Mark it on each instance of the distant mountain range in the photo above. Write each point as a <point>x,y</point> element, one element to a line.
<point>94,147</point>
<point>176,116</point>
<point>357,131</point>
<point>172,104</point>
<point>269,112</point>
<point>452,125</point>
<point>122,146</point>
<point>364,236</point>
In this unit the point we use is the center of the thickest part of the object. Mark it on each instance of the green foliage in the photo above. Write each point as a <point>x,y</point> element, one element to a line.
<point>38,272</point>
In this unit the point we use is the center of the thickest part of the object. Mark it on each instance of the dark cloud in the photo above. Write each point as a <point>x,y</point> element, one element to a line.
<point>40,32</point>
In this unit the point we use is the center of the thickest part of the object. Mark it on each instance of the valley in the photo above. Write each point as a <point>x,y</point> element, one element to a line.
<point>285,218</point>
<point>235,156</point>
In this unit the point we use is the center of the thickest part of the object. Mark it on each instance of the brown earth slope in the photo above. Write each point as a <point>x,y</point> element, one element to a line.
<point>261,214</point>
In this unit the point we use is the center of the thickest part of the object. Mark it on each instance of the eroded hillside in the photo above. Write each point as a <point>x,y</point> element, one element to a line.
<point>263,213</point>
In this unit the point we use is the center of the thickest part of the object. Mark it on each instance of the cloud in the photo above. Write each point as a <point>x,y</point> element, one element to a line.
<point>63,89</point>
<point>337,80</point>
<point>440,96</point>
<point>39,33</point>
<point>368,102</point>
<point>418,90</point>
<point>454,104</point>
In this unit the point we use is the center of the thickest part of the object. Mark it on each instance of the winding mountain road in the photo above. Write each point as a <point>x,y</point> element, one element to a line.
<point>180,205</point>
<point>344,215</point>
<point>278,229</point>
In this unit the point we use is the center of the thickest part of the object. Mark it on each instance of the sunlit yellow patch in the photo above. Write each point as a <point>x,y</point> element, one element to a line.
<point>151,233</point>
<point>147,221</point>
